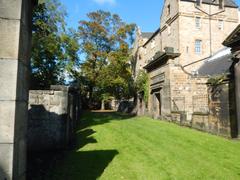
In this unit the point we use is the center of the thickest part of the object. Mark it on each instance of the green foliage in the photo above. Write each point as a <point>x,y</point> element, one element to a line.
<point>105,42</point>
<point>216,80</point>
<point>53,48</point>
<point>142,84</point>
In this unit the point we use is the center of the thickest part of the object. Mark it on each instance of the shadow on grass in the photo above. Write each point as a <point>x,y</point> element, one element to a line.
<point>73,163</point>
<point>98,118</point>
<point>88,165</point>
<point>83,165</point>
<point>83,138</point>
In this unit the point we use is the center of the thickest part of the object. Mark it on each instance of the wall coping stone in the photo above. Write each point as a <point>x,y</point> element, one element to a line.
<point>63,88</point>
<point>201,113</point>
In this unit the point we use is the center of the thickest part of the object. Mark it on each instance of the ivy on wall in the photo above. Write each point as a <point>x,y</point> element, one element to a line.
<point>142,84</point>
<point>216,80</point>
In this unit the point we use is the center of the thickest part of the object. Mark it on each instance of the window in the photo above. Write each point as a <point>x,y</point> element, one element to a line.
<point>198,22</point>
<point>198,2</point>
<point>198,46</point>
<point>169,9</point>
<point>220,24</point>
<point>221,5</point>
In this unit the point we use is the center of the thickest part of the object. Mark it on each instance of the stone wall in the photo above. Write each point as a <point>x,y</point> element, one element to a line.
<point>53,116</point>
<point>236,54</point>
<point>151,48</point>
<point>221,118</point>
<point>218,116</point>
<point>138,53</point>
<point>191,102</point>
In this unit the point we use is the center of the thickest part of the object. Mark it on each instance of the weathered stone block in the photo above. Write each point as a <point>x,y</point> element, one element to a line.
<point>9,35</point>
<point>7,121</point>
<point>20,157</point>
<point>200,121</point>
<point>10,9</point>
<point>176,117</point>
<point>8,79</point>
<point>54,101</point>
<point>22,82</point>
<point>21,120</point>
<point>10,82</point>
<point>6,159</point>
<point>24,45</point>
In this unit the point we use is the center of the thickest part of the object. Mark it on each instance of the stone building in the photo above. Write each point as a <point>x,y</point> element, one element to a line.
<point>139,51</point>
<point>233,41</point>
<point>221,117</point>
<point>139,61</point>
<point>190,33</point>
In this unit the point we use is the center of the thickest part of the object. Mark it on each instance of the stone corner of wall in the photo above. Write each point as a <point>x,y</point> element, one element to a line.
<point>59,88</point>
<point>64,88</point>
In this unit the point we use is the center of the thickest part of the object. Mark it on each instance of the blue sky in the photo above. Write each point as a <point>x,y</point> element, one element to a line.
<point>145,13</point>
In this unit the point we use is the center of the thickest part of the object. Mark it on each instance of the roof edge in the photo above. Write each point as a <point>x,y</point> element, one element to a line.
<point>230,40</point>
<point>154,34</point>
<point>214,4</point>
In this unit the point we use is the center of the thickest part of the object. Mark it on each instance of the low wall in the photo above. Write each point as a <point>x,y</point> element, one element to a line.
<point>200,121</point>
<point>220,118</point>
<point>126,107</point>
<point>179,117</point>
<point>53,116</point>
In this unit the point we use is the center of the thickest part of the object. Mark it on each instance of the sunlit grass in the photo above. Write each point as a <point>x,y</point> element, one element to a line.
<point>114,146</point>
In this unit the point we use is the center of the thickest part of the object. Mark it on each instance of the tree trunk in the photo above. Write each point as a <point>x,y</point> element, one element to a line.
<point>103,105</point>
<point>90,100</point>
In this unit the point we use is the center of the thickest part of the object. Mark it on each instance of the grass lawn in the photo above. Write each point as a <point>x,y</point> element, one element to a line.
<point>114,146</point>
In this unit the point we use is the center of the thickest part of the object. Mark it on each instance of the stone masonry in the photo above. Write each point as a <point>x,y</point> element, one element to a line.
<point>53,116</point>
<point>15,43</point>
<point>177,92</point>
<point>233,41</point>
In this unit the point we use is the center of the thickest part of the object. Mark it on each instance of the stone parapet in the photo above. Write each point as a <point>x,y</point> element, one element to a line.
<point>53,116</point>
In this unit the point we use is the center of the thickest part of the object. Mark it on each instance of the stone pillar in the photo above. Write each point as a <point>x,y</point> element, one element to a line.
<point>237,89</point>
<point>15,42</point>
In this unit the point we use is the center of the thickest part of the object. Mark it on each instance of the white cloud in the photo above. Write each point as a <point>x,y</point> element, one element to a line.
<point>111,2</point>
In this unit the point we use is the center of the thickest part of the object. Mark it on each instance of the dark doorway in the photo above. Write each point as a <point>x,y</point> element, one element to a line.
<point>156,103</point>
<point>158,98</point>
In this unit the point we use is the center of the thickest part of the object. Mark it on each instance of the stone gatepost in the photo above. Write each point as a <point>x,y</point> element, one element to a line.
<point>237,89</point>
<point>15,42</point>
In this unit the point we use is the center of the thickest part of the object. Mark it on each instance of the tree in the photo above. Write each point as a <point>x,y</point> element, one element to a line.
<point>53,47</point>
<point>105,42</point>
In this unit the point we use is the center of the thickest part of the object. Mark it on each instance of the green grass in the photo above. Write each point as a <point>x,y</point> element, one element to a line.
<point>114,146</point>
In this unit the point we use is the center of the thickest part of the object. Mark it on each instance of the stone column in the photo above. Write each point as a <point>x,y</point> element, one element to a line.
<point>15,42</point>
<point>237,89</point>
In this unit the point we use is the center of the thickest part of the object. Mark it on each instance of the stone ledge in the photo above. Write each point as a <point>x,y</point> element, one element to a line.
<point>201,113</point>
<point>63,88</point>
